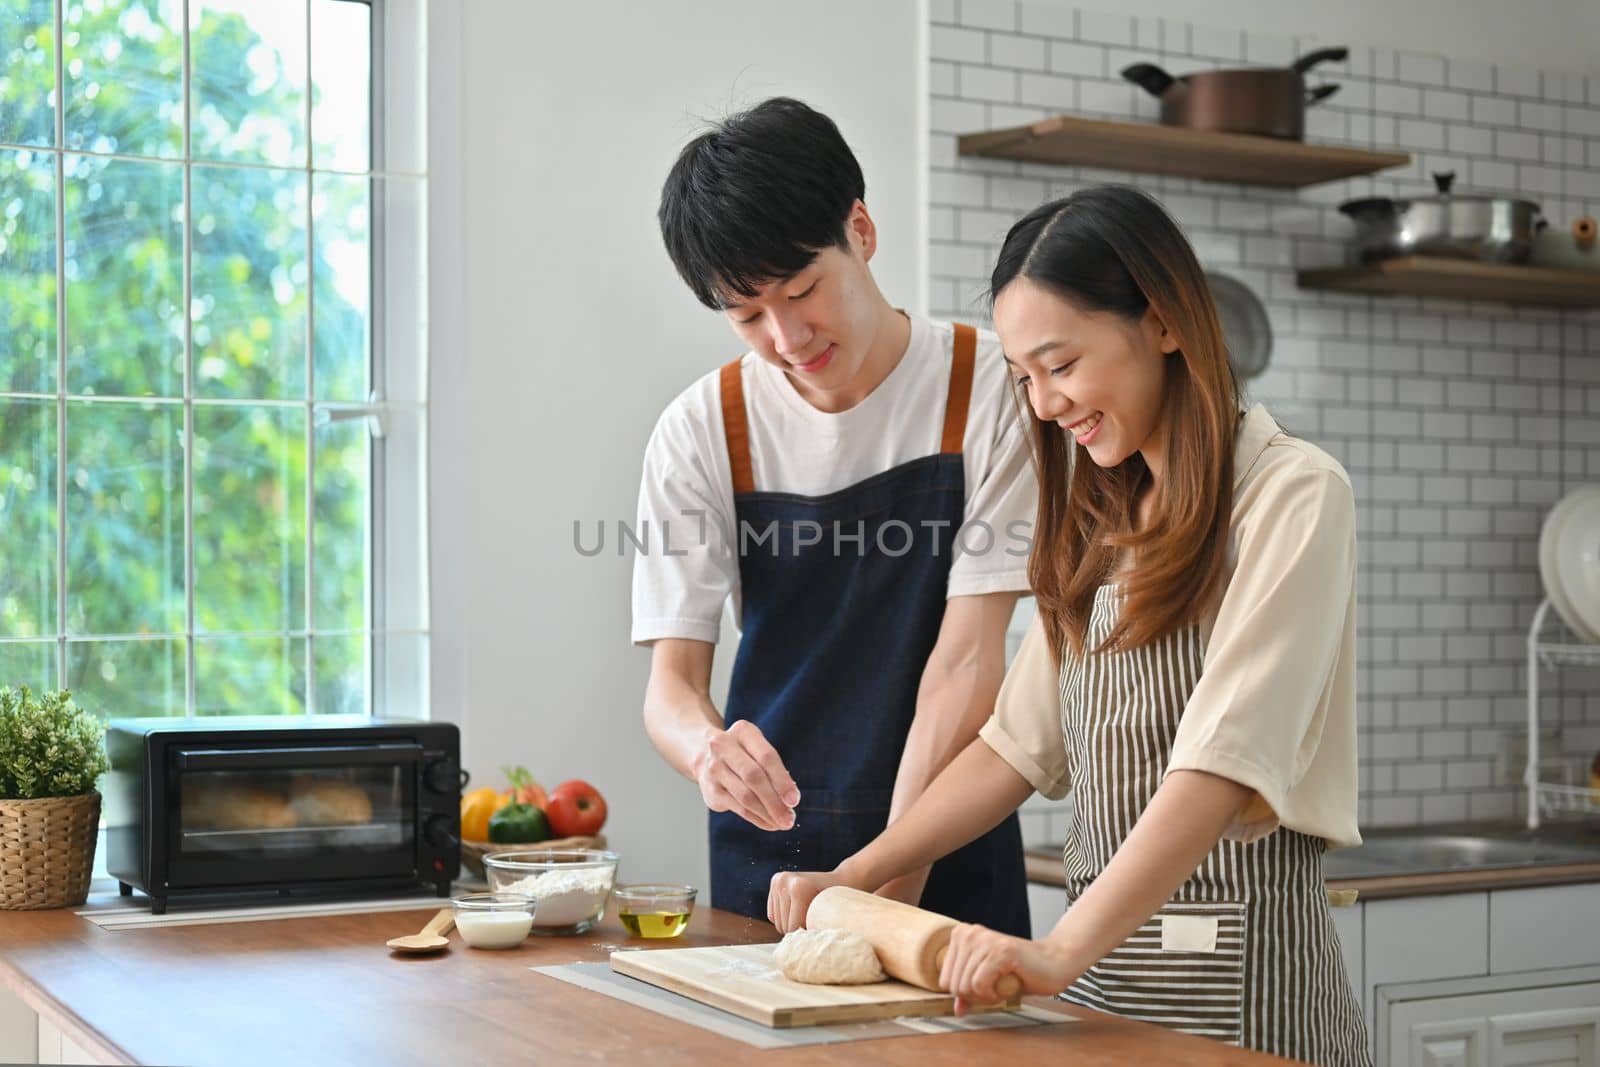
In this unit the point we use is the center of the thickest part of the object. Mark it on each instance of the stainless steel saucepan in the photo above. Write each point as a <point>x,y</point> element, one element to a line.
<point>1495,229</point>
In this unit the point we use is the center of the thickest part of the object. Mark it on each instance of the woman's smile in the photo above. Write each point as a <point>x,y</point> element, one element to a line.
<point>1084,430</point>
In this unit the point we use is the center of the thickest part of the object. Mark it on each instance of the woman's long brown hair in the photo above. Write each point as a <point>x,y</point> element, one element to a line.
<point>1112,248</point>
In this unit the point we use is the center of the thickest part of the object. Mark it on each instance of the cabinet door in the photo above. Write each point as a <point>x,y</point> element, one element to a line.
<point>19,1029</point>
<point>1542,928</point>
<point>1549,1026</point>
<point>50,1042</point>
<point>1562,1038</point>
<point>1419,939</point>
<point>1458,1043</point>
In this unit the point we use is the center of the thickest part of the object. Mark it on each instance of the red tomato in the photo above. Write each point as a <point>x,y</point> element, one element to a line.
<point>576,809</point>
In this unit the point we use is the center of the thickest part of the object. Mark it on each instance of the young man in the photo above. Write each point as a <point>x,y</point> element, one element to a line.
<point>858,484</point>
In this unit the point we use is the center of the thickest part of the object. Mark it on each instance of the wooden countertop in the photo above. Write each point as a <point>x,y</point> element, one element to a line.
<point>325,990</point>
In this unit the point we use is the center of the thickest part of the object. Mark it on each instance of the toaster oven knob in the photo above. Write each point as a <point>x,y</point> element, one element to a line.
<point>440,831</point>
<point>442,776</point>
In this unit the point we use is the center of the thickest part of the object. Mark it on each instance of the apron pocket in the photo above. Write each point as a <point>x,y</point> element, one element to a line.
<point>1183,969</point>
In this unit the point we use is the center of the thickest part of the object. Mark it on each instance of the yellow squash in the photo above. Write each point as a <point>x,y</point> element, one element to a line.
<point>476,809</point>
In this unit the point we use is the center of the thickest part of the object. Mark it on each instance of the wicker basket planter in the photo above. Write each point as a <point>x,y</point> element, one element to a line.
<point>47,851</point>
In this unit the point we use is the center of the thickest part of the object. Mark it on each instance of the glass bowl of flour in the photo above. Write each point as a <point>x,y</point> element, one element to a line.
<point>571,886</point>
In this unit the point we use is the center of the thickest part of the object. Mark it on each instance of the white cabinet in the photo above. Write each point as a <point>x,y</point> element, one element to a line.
<point>1553,926</point>
<point>56,1047</point>
<point>1550,1019</point>
<point>1412,939</point>
<point>28,1037</point>
<point>1496,979</point>
<point>19,1029</point>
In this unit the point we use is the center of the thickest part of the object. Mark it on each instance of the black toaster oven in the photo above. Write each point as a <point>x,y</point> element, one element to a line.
<point>314,803</point>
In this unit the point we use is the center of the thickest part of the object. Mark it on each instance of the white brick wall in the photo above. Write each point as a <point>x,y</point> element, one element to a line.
<point>1460,423</point>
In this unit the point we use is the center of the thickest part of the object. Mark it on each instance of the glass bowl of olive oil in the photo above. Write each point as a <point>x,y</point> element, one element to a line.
<point>654,910</point>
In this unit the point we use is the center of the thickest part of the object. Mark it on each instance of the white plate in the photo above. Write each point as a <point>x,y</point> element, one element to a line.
<point>1569,560</point>
<point>1547,563</point>
<point>1578,559</point>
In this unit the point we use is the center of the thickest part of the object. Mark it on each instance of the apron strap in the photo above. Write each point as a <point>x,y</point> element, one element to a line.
<point>955,405</point>
<point>735,428</point>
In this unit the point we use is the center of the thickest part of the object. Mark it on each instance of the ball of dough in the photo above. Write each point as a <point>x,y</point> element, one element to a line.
<point>828,957</point>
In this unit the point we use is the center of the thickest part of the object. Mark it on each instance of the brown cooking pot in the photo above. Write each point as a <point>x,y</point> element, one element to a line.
<point>1266,101</point>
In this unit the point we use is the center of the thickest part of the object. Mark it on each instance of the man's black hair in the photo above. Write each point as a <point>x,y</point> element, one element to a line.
<point>756,197</point>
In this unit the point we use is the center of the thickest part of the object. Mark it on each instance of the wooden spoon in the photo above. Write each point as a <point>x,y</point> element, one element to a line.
<point>431,938</point>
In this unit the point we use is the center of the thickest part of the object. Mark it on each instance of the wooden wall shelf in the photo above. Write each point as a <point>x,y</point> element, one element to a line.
<point>1462,279</point>
<point>1155,149</point>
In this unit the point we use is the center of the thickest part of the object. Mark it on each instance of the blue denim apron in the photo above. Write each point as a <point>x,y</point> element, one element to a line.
<point>843,597</point>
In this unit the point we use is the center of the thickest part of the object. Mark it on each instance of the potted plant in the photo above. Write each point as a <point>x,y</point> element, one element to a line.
<point>51,753</point>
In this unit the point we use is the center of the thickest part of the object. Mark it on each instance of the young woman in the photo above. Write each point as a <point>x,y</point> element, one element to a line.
<point>1190,676</point>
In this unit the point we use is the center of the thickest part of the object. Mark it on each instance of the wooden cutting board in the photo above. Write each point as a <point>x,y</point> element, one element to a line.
<point>742,979</point>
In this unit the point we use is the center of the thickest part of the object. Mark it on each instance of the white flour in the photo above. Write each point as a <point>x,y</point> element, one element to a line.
<point>565,897</point>
<point>745,969</point>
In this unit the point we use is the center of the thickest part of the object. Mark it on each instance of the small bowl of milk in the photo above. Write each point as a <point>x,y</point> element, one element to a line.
<point>494,920</point>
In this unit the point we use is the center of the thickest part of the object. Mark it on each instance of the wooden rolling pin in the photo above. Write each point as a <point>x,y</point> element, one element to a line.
<point>910,942</point>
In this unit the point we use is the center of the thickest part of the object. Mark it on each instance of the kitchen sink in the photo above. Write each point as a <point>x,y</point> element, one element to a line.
<point>1420,851</point>
<point>1451,847</point>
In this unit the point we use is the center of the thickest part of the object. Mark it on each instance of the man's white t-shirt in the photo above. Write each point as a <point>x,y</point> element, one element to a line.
<point>687,570</point>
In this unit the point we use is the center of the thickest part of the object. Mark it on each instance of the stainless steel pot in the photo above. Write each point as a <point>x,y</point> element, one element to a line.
<point>1265,101</point>
<point>1494,229</point>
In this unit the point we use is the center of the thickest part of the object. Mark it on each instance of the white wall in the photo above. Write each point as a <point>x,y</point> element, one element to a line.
<point>1548,34</point>
<point>560,330</point>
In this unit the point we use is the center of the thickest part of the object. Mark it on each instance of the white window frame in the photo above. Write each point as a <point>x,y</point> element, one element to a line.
<point>400,288</point>
<point>397,409</point>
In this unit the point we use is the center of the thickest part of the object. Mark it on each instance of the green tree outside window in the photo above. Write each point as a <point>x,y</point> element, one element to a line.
<point>272,241</point>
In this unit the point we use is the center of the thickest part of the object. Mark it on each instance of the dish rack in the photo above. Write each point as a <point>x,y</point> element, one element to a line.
<point>1559,787</point>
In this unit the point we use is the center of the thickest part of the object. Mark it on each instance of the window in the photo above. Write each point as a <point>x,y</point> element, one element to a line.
<point>212,293</point>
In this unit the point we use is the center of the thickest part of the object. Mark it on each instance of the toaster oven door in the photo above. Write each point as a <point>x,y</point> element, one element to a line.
<point>291,814</point>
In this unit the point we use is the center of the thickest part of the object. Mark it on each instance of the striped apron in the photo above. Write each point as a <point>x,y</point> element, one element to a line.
<point>1245,951</point>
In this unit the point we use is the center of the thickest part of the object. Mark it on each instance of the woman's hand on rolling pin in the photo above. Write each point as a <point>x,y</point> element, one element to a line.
<point>979,957</point>
<point>738,770</point>
<point>791,893</point>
